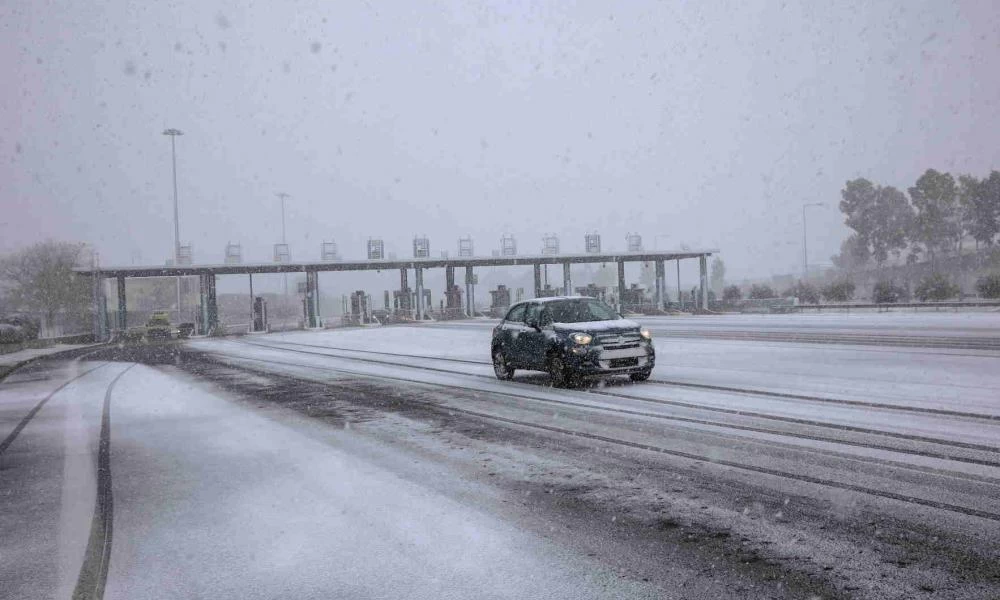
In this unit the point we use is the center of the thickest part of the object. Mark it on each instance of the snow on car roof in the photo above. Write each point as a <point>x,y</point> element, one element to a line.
<point>554,298</point>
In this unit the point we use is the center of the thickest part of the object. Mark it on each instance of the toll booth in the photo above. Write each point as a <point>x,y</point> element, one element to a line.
<point>259,322</point>
<point>361,312</point>
<point>401,302</point>
<point>499,300</point>
<point>593,291</point>
<point>427,299</point>
<point>453,298</point>
<point>634,299</point>
<point>452,306</point>
<point>548,292</point>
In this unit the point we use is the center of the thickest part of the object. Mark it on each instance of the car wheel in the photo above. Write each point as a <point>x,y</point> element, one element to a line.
<point>502,369</point>
<point>641,376</point>
<point>562,376</point>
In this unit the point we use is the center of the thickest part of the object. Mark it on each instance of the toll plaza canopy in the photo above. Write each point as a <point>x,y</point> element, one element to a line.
<point>407,263</point>
<point>208,273</point>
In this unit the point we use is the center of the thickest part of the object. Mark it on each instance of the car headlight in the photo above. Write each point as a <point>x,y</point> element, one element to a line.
<point>646,334</point>
<point>582,338</point>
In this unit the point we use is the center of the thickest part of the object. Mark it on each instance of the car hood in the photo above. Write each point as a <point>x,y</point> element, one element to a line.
<point>595,327</point>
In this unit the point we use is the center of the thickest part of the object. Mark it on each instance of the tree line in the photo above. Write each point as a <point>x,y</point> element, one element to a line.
<point>931,219</point>
<point>38,282</point>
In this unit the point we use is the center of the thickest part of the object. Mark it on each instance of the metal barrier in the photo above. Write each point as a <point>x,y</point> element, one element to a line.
<point>888,305</point>
<point>767,305</point>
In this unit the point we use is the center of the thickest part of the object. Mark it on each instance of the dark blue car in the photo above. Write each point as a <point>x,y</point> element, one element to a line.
<point>571,337</point>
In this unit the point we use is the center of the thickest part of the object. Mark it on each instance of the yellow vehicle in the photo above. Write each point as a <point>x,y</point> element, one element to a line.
<point>158,326</point>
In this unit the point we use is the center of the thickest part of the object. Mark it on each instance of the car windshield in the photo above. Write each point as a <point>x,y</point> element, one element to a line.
<point>580,311</point>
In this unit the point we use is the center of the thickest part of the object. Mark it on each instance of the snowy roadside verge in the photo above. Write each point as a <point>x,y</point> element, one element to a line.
<point>15,360</point>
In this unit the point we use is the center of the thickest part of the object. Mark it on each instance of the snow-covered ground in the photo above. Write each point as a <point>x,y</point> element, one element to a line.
<point>915,377</point>
<point>215,496</point>
<point>212,500</point>
<point>985,323</point>
<point>12,358</point>
<point>251,508</point>
<point>308,356</point>
<point>945,322</point>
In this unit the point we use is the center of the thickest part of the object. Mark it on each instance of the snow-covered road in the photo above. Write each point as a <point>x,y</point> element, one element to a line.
<point>939,434</point>
<point>211,500</point>
<point>388,462</point>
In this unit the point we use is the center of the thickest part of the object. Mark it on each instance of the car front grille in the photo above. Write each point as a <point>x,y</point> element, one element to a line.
<point>616,341</point>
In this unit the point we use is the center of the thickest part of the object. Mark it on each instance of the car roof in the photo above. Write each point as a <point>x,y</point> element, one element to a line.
<point>552,299</point>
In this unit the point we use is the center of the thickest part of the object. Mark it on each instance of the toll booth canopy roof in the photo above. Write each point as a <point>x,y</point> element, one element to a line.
<point>387,264</point>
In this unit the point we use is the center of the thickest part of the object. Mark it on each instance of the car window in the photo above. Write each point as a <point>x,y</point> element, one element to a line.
<point>579,311</point>
<point>531,314</point>
<point>516,314</point>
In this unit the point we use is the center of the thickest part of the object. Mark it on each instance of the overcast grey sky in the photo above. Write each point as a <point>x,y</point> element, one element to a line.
<point>707,124</point>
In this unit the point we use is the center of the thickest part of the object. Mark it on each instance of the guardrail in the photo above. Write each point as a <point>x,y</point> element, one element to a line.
<point>83,338</point>
<point>888,305</point>
<point>766,305</point>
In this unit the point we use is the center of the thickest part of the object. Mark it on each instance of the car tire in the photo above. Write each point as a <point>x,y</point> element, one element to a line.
<point>562,376</point>
<point>501,367</point>
<point>641,376</point>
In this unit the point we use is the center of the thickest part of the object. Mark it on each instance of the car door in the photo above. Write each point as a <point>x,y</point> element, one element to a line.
<point>511,330</point>
<point>531,343</point>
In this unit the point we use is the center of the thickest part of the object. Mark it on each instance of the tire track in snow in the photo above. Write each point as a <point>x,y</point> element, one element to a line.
<point>41,403</point>
<point>705,386</point>
<point>638,445</point>
<point>94,570</point>
<point>689,405</point>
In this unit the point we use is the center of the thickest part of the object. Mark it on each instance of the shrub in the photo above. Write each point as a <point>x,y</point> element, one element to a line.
<point>935,287</point>
<point>839,291</point>
<point>805,292</point>
<point>18,329</point>
<point>887,292</point>
<point>10,334</point>
<point>133,335</point>
<point>732,293</point>
<point>988,286</point>
<point>761,291</point>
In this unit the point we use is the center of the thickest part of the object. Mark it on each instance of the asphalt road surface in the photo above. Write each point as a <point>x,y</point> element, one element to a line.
<point>389,462</point>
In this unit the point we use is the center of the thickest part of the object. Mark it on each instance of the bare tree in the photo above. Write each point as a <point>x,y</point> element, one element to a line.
<point>40,279</point>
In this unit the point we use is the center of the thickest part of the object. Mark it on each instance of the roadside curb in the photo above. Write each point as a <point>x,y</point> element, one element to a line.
<point>7,370</point>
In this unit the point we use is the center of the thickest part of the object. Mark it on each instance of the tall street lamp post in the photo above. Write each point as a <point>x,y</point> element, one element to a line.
<point>173,133</point>
<point>283,196</point>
